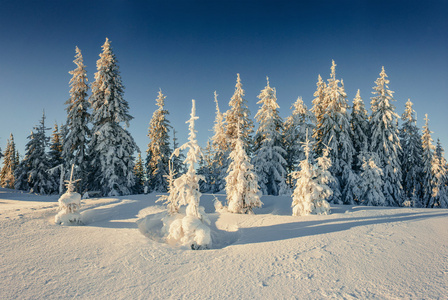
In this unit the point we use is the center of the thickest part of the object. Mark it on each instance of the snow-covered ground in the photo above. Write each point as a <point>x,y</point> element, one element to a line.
<point>356,252</point>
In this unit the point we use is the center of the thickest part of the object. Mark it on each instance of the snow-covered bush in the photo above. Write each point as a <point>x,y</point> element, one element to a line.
<point>69,204</point>
<point>186,226</point>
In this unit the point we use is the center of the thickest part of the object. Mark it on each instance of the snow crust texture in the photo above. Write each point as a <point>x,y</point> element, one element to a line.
<point>357,252</point>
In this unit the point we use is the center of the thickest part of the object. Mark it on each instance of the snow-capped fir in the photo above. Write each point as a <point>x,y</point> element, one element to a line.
<point>238,111</point>
<point>359,122</point>
<point>319,107</point>
<point>139,172</point>
<point>311,190</point>
<point>428,179</point>
<point>384,139</point>
<point>269,161</point>
<point>242,190</point>
<point>371,180</point>
<point>411,155</point>
<point>111,147</point>
<point>159,151</point>
<point>76,132</point>
<point>177,160</point>
<point>440,170</point>
<point>55,157</point>
<point>7,178</point>
<point>170,199</point>
<point>335,132</point>
<point>296,128</point>
<point>188,228</point>
<point>220,149</point>
<point>206,169</point>
<point>69,204</point>
<point>32,173</point>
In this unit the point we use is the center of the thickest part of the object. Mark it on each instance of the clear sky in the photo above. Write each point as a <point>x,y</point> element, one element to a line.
<point>189,49</point>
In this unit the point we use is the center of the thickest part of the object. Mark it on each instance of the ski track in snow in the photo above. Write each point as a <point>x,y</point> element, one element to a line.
<point>355,253</point>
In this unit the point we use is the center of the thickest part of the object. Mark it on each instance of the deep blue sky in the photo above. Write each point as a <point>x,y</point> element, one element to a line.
<point>191,48</point>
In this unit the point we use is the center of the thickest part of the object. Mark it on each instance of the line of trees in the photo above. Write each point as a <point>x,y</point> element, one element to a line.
<point>372,159</point>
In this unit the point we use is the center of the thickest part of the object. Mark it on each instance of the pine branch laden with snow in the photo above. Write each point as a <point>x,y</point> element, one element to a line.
<point>311,190</point>
<point>384,139</point>
<point>69,204</point>
<point>111,147</point>
<point>191,227</point>
<point>269,161</point>
<point>242,190</point>
<point>76,133</point>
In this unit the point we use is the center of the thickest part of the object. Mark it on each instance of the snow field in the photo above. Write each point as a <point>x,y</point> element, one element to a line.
<point>355,253</point>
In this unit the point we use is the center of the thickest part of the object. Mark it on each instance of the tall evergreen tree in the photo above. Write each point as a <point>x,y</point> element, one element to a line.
<point>269,161</point>
<point>297,128</point>
<point>177,160</point>
<point>359,122</point>
<point>139,172</point>
<point>111,147</point>
<point>440,171</point>
<point>371,180</point>
<point>7,178</point>
<point>76,133</point>
<point>411,156</point>
<point>159,150</point>
<point>220,150</point>
<point>336,133</point>
<point>384,139</point>
<point>319,107</point>
<point>238,111</point>
<point>428,159</point>
<point>55,159</point>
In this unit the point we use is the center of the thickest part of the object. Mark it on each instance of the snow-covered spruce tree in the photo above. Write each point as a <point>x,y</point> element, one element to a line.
<point>139,172</point>
<point>269,161</point>
<point>206,169</point>
<point>69,204</point>
<point>336,133</point>
<point>177,160</point>
<point>238,111</point>
<point>384,139</point>
<point>159,150</point>
<point>318,109</point>
<point>311,189</point>
<point>242,190</point>
<point>189,227</point>
<point>411,155</point>
<point>439,168</point>
<point>371,180</point>
<point>220,149</point>
<point>55,159</point>
<point>76,132</point>
<point>111,147</point>
<point>32,173</point>
<point>7,178</point>
<point>297,128</point>
<point>428,179</point>
<point>359,122</point>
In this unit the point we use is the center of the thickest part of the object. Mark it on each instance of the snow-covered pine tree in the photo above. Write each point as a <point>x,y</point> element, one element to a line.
<point>206,169</point>
<point>411,155</point>
<point>384,139</point>
<point>159,150</point>
<point>190,229</point>
<point>139,172</point>
<point>7,178</point>
<point>440,171</point>
<point>335,132</point>
<point>111,147</point>
<point>269,161</point>
<point>238,111</point>
<point>242,190</point>
<point>55,159</point>
<point>311,189</point>
<point>76,132</point>
<point>359,122</point>
<point>319,107</point>
<point>371,180</point>
<point>428,179</point>
<point>220,149</point>
<point>32,173</point>
<point>298,126</point>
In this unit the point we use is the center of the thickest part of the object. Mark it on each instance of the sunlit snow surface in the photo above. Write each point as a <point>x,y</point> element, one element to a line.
<point>356,252</point>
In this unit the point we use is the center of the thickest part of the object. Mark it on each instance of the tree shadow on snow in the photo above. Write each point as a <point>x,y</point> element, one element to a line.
<point>303,228</point>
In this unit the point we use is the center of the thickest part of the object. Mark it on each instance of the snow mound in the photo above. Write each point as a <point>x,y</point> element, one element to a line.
<point>69,204</point>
